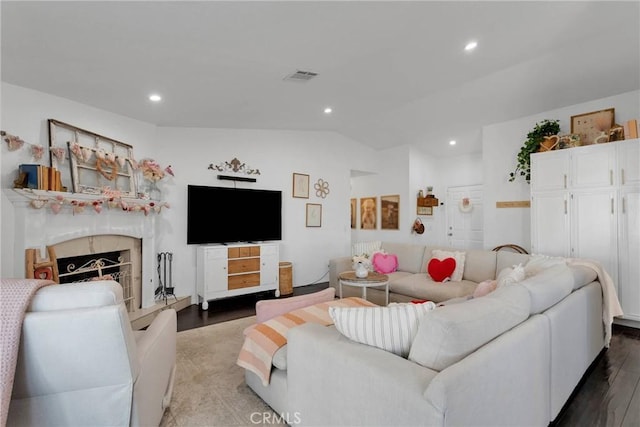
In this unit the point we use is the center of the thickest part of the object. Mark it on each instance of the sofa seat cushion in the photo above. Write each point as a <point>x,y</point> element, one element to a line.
<point>549,287</point>
<point>420,286</point>
<point>397,275</point>
<point>450,333</point>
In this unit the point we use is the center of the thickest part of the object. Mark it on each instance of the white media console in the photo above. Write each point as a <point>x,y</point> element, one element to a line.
<point>236,269</point>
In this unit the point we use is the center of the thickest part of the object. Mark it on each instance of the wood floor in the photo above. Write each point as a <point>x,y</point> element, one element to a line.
<point>609,394</point>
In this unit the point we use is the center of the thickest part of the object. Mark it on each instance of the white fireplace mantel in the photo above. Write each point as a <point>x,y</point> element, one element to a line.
<point>38,228</point>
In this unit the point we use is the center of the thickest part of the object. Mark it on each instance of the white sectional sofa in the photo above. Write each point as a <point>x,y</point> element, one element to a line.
<point>512,357</point>
<point>411,280</point>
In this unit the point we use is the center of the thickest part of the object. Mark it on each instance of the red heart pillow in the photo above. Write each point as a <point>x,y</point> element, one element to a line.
<point>440,270</point>
<point>384,263</point>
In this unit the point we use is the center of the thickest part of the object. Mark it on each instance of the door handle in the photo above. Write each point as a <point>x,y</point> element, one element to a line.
<point>449,234</point>
<point>612,206</point>
<point>622,176</point>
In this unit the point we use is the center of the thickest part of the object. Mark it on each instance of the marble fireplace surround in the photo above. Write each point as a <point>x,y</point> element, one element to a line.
<point>39,228</point>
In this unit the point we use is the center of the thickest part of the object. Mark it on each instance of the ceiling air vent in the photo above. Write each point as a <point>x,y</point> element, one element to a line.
<point>300,76</point>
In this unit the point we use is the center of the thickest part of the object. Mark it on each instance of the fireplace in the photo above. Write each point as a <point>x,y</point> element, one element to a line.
<point>107,256</point>
<point>130,234</point>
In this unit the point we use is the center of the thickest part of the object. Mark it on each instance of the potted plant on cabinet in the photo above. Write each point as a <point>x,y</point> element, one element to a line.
<point>532,144</point>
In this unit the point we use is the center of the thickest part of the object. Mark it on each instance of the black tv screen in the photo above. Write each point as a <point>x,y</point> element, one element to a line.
<point>227,215</point>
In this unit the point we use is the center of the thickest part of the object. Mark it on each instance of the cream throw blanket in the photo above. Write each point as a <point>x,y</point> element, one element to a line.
<point>15,297</point>
<point>610,303</point>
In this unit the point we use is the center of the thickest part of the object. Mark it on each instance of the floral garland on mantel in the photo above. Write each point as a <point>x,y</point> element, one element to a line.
<point>57,202</point>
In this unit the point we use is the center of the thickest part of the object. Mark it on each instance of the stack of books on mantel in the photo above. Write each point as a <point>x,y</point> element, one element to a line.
<point>39,177</point>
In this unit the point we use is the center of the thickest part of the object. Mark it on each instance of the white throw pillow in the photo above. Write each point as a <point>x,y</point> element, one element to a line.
<point>537,263</point>
<point>510,275</point>
<point>365,248</point>
<point>389,328</point>
<point>458,256</point>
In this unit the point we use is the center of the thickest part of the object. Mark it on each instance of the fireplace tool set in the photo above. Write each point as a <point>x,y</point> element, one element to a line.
<point>165,277</point>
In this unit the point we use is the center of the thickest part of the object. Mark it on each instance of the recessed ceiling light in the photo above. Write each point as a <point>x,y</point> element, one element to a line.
<point>155,98</point>
<point>471,45</point>
<point>328,110</point>
<point>452,142</point>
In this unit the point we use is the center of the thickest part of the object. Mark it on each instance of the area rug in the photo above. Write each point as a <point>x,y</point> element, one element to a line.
<point>210,388</point>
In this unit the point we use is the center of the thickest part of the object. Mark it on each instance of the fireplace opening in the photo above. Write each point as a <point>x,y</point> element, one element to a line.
<point>114,265</point>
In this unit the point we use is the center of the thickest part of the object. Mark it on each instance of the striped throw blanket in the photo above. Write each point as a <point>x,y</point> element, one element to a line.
<point>262,342</point>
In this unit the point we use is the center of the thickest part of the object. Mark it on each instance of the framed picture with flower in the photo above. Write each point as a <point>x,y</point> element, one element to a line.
<point>96,162</point>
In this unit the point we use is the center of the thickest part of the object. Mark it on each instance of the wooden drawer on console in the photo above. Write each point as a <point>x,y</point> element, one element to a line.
<point>244,252</point>
<point>244,281</point>
<point>244,265</point>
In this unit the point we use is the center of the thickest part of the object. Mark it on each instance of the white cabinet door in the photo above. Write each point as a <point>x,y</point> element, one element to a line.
<point>216,270</point>
<point>629,247</point>
<point>550,223</point>
<point>593,166</point>
<point>550,170</point>
<point>629,162</point>
<point>593,228</point>
<point>269,265</point>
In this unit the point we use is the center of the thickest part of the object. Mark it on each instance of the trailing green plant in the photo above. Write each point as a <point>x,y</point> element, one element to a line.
<point>532,145</point>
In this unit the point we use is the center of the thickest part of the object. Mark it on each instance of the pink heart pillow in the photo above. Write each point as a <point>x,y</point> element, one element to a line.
<point>440,270</point>
<point>384,263</point>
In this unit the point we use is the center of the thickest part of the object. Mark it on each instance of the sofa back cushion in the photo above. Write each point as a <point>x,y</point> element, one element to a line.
<point>506,259</point>
<point>409,256</point>
<point>448,334</point>
<point>70,296</point>
<point>480,265</point>
<point>582,275</point>
<point>549,287</point>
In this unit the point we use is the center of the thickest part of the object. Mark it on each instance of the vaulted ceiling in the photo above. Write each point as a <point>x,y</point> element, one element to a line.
<point>393,72</point>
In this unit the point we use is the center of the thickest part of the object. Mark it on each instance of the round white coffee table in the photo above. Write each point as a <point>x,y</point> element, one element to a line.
<point>349,278</point>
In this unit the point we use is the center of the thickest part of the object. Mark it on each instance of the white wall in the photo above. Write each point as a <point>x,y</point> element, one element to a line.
<point>500,145</point>
<point>277,154</point>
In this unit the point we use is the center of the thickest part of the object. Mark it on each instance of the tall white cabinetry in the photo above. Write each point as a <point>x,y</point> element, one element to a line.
<point>585,203</point>
<point>229,270</point>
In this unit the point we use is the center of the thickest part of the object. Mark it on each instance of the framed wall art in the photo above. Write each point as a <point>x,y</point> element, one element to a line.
<point>390,212</point>
<point>354,208</point>
<point>314,215</point>
<point>300,186</point>
<point>592,125</point>
<point>368,213</point>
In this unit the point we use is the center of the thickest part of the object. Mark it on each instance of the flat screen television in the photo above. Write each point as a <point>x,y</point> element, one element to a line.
<point>227,215</point>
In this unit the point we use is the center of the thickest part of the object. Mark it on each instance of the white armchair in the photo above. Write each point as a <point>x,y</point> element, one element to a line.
<point>80,363</point>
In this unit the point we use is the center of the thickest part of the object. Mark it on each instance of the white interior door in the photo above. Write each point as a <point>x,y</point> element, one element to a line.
<point>465,222</point>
